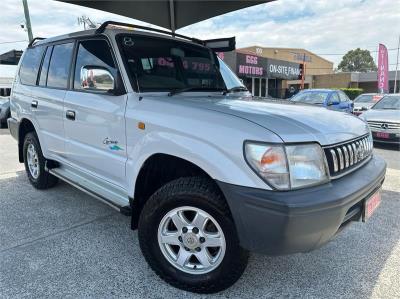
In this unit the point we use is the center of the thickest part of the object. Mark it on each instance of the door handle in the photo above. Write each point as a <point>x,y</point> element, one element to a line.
<point>70,115</point>
<point>34,104</point>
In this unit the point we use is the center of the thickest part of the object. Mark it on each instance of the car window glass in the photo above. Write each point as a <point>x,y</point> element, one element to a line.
<point>334,98</point>
<point>389,103</point>
<point>94,53</point>
<point>311,97</point>
<point>45,67</point>
<point>343,97</point>
<point>364,99</point>
<point>166,65</point>
<point>59,66</point>
<point>30,65</point>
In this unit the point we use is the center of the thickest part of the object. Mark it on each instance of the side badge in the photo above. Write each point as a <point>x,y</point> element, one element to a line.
<point>112,144</point>
<point>115,148</point>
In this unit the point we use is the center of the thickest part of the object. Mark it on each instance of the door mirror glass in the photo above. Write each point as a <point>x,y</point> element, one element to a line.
<point>95,78</point>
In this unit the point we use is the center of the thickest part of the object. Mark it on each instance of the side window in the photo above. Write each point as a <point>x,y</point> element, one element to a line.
<point>334,98</point>
<point>30,65</point>
<point>59,65</point>
<point>93,53</point>
<point>45,67</point>
<point>343,97</point>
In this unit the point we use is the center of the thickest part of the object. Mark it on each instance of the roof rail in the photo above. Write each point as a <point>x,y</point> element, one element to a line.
<point>35,40</point>
<point>105,24</point>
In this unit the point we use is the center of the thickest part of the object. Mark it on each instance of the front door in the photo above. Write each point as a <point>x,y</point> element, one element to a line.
<point>94,118</point>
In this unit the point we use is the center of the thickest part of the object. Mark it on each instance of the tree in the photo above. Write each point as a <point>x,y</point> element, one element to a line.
<point>357,61</point>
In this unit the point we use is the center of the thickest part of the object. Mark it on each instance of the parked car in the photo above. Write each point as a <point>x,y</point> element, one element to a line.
<point>330,98</point>
<point>156,126</point>
<point>4,111</point>
<point>365,101</point>
<point>384,119</point>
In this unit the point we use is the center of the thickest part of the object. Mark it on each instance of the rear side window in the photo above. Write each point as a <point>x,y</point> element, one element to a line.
<point>45,67</point>
<point>60,65</point>
<point>93,53</point>
<point>30,65</point>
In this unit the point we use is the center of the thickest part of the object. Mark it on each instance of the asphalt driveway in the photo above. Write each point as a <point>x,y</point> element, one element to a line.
<point>63,243</point>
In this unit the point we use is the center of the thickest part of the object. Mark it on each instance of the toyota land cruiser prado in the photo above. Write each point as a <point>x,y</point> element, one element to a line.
<point>157,126</point>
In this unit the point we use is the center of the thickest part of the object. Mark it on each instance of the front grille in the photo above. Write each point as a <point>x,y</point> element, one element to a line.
<point>384,125</point>
<point>344,157</point>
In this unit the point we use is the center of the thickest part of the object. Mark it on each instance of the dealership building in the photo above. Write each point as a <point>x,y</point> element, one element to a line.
<point>277,72</point>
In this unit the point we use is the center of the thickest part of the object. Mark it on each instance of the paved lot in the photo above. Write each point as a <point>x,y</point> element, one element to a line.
<point>63,243</point>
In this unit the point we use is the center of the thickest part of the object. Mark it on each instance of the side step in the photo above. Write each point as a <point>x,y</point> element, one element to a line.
<point>57,172</point>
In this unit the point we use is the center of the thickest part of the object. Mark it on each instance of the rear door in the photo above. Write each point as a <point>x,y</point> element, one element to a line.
<point>48,97</point>
<point>21,96</point>
<point>94,118</point>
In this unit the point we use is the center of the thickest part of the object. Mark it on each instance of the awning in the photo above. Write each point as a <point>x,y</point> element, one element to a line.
<point>171,14</point>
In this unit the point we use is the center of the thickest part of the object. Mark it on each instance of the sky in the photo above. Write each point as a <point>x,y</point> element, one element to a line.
<point>320,26</point>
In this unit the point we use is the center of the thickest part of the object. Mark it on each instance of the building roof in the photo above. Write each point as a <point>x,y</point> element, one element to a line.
<point>289,50</point>
<point>10,57</point>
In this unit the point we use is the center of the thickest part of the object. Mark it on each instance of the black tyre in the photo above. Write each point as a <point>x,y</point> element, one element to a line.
<point>188,237</point>
<point>35,163</point>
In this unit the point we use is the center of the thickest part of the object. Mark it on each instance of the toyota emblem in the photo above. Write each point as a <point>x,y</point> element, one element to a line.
<point>384,126</point>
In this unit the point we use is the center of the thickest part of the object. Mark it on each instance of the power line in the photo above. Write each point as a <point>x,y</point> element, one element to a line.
<point>339,54</point>
<point>17,41</point>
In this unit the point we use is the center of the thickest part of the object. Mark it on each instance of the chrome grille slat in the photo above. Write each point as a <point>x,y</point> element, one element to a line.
<point>351,154</point>
<point>346,156</point>
<point>341,162</point>
<point>335,160</point>
<point>353,145</point>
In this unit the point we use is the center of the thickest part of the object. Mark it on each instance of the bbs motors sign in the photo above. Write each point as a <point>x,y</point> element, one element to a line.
<point>284,70</point>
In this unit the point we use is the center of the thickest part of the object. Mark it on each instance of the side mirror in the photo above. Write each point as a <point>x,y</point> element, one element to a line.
<point>364,108</point>
<point>97,78</point>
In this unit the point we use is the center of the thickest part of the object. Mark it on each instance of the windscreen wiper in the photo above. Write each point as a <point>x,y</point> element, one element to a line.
<point>193,88</point>
<point>235,89</point>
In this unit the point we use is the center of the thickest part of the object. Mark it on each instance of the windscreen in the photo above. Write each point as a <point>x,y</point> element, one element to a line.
<point>366,98</point>
<point>310,97</point>
<point>157,64</point>
<point>388,102</point>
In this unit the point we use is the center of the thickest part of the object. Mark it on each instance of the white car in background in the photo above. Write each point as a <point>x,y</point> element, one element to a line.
<point>365,101</point>
<point>384,119</point>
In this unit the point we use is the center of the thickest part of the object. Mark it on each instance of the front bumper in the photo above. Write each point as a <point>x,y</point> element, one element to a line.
<point>283,222</point>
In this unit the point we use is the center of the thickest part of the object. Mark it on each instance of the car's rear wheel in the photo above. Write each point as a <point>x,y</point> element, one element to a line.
<point>35,163</point>
<point>188,237</point>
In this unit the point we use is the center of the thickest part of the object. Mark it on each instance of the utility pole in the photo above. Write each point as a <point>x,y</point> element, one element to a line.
<point>397,65</point>
<point>303,75</point>
<point>27,20</point>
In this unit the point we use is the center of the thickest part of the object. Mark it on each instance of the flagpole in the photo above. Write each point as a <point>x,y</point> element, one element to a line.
<point>397,64</point>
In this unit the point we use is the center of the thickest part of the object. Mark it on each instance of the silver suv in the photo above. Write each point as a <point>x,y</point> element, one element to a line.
<point>158,127</point>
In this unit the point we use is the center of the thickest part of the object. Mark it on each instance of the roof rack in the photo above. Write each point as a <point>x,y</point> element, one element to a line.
<point>173,34</point>
<point>35,40</point>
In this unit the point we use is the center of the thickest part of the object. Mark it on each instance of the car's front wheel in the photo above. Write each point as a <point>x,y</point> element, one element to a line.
<point>188,237</point>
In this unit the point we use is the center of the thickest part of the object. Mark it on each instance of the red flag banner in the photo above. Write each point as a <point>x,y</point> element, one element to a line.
<point>383,69</point>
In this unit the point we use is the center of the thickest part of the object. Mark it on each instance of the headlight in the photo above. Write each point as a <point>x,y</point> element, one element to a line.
<point>287,167</point>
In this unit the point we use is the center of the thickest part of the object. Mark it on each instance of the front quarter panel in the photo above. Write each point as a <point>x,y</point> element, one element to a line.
<point>211,140</point>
